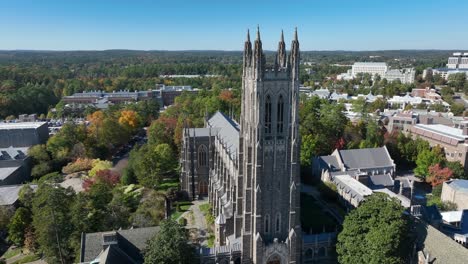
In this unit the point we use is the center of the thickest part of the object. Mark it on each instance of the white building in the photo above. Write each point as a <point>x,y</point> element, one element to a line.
<point>372,68</point>
<point>458,63</point>
<point>406,75</point>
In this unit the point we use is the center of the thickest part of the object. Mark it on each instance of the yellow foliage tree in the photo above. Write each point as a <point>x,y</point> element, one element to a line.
<point>129,118</point>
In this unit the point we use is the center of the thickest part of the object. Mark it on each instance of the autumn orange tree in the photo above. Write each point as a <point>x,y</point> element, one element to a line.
<point>129,119</point>
<point>438,175</point>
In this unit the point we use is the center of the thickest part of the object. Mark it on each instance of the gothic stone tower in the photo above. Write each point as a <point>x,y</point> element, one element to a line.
<point>267,205</point>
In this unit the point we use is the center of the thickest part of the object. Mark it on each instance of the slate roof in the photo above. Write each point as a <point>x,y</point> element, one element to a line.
<point>459,185</point>
<point>21,125</point>
<point>357,189</point>
<point>330,162</point>
<point>381,181</point>
<point>113,255</point>
<point>130,241</point>
<point>9,193</point>
<point>12,153</point>
<point>201,132</point>
<point>441,248</point>
<point>6,172</point>
<point>366,158</point>
<point>228,131</point>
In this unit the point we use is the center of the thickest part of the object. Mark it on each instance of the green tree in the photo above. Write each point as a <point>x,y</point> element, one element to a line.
<point>170,245</point>
<point>151,163</point>
<point>375,232</point>
<point>374,136</point>
<point>427,158</point>
<point>5,215</point>
<point>457,109</point>
<point>51,213</point>
<point>19,223</point>
<point>457,169</point>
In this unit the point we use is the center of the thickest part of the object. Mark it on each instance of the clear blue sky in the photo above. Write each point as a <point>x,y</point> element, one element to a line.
<point>222,24</point>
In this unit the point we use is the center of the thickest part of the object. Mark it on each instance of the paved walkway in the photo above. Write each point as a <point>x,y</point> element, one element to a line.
<point>199,222</point>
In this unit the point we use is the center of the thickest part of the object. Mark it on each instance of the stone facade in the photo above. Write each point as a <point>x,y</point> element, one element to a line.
<point>253,167</point>
<point>456,191</point>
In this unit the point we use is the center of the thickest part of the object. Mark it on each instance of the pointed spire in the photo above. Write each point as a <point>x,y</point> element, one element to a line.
<point>258,32</point>
<point>281,57</point>
<point>295,34</point>
<point>247,51</point>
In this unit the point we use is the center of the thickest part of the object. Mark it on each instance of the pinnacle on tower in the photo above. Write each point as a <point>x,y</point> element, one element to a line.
<point>248,35</point>
<point>295,34</point>
<point>258,33</point>
<point>280,60</point>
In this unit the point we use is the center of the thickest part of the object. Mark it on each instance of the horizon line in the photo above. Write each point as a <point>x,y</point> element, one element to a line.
<point>217,50</point>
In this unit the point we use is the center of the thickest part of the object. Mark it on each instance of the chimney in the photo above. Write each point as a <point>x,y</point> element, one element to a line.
<point>465,130</point>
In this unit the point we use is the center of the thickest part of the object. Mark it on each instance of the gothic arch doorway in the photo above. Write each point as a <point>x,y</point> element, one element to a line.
<point>274,260</point>
<point>203,188</point>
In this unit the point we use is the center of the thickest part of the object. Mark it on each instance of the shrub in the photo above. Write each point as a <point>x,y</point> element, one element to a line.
<point>182,221</point>
<point>99,165</point>
<point>81,164</point>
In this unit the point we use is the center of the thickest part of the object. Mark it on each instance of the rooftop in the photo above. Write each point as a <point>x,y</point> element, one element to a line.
<point>5,172</point>
<point>130,241</point>
<point>452,216</point>
<point>228,131</point>
<point>354,185</point>
<point>366,158</point>
<point>21,125</point>
<point>460,185</point>
<point>383,64</point>
<point>444,130</point>
<point>9,193</point>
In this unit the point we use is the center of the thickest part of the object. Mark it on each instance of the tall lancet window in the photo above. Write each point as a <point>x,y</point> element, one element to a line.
<point>280,115</point>
<point>202,156</point>
<point>268,115</point>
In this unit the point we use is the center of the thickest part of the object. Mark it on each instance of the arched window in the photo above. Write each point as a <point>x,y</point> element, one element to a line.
<point>268,115</point>
<point>202,156</point>
<point>280,115</point>
<point>278,223</point>
<point>267,223</point>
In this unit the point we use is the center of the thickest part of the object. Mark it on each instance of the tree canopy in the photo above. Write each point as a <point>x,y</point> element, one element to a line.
<point>375,232</point>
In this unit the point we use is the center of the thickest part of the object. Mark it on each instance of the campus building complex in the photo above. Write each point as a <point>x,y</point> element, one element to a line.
<point>250,170</point>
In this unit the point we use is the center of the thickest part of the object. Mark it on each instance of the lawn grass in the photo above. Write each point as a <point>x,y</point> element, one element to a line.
<point>175,215</point>
<point>27,259</point>
<point>11,253</point>
<point>168,183</point>
<point>179,209</point>
<point>313,217</point>
<point>205,208</point>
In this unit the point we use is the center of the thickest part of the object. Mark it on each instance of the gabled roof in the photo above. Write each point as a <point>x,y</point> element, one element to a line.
<point>366,158</point>
<point>329,162</point>
<point>130,241</point>
<point>228,131</point>
<point>381,181</point>
<point>9,194</point>
<point>12,153</point>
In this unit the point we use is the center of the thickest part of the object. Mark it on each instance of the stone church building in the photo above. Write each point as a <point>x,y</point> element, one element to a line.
<point>250,170</point>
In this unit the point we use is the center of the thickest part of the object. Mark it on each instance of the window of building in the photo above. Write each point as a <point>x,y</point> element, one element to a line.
<point>268,115</point>
<point>280,115</point>
<point>278,222</point>
<point>267,223</point>
<point>202,156</point>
